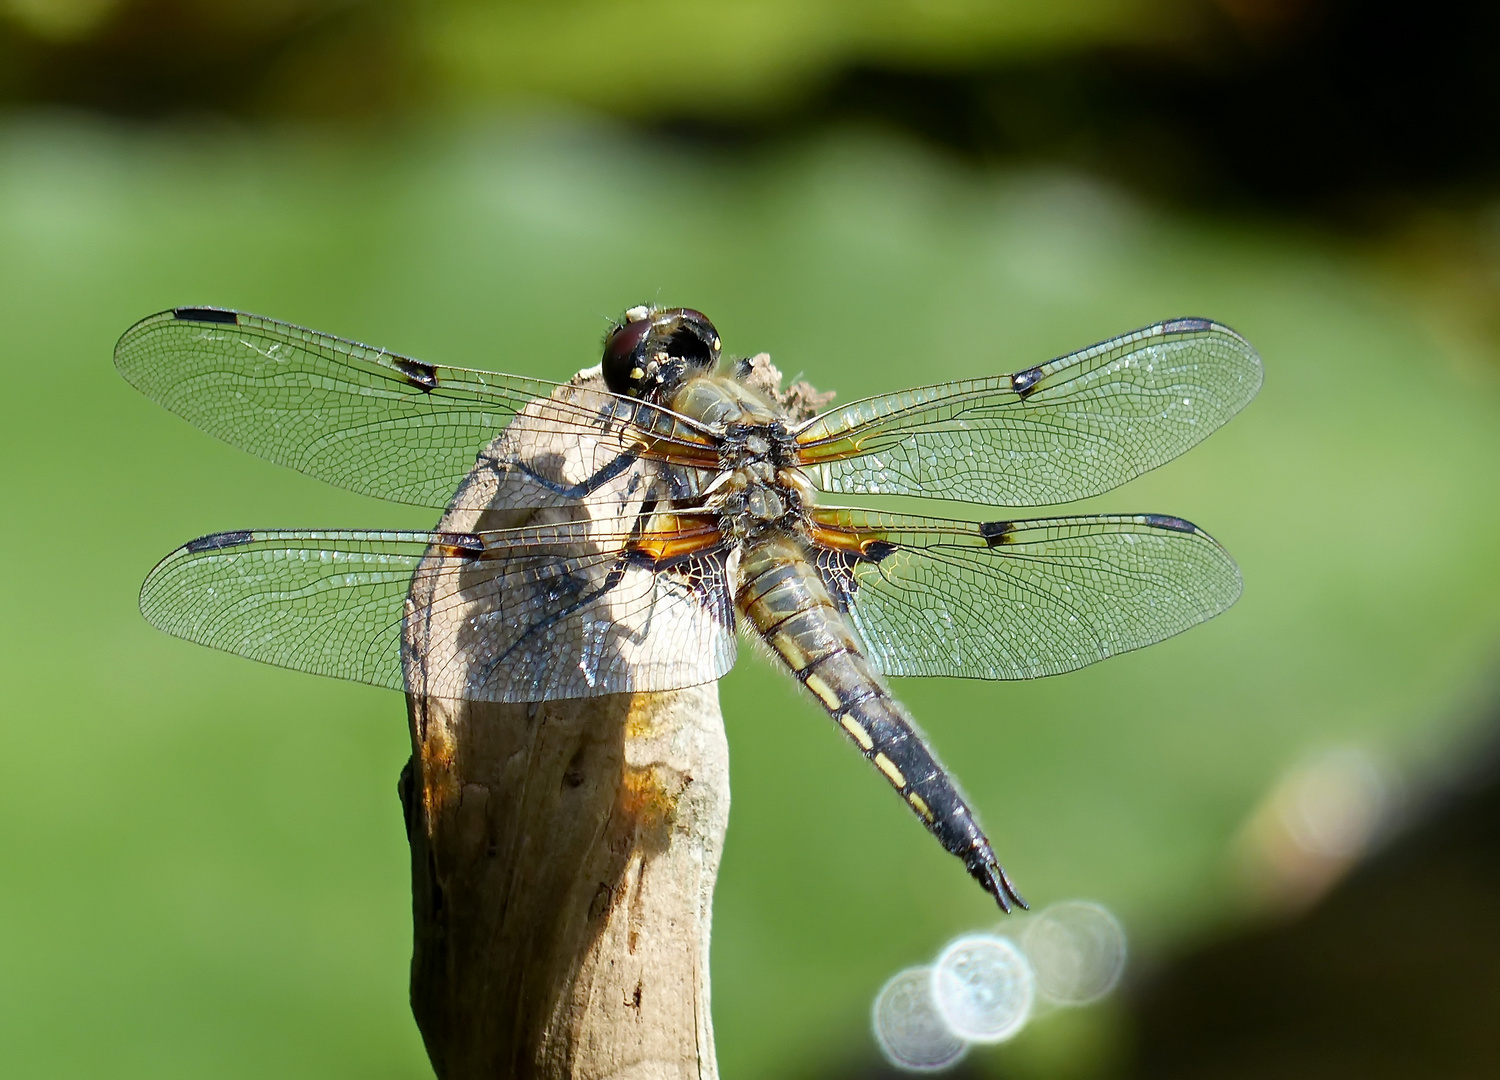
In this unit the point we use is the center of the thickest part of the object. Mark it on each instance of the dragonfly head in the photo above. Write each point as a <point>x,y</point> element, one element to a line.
<point>653,350</point>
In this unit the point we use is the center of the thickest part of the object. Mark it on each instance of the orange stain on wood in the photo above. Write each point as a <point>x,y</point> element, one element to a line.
<point>641,718</point>
<point>650,794</point>
<point>439,775</point>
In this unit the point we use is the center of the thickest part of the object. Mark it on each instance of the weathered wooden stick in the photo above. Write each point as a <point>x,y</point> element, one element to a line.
<point>563,864</point>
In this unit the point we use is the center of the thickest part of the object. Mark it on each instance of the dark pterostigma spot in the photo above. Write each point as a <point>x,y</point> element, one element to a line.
<point>216,541</point>
<point>422,376</point>
<point>1166,521</point>
<point>1024,382</point>
<point>996,533</point>
<point>206,314</point>
<point>1186,326</point>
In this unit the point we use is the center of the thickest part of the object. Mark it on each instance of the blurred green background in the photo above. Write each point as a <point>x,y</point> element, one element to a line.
<point>206,873</point>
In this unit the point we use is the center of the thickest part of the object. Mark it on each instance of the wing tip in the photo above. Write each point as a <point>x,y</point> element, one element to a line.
<point>1192,324</point>
<point>215,315</point>
<point>1172,523</point>
<point>168,565</point>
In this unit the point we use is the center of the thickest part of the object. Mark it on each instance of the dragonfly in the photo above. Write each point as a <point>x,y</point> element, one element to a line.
<point>617,531</point>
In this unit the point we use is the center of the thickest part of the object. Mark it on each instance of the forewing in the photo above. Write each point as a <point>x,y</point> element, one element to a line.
<point>526,614</point>
<point>1022,599</point>
<point>387,425</point>
<point>1064,430</point>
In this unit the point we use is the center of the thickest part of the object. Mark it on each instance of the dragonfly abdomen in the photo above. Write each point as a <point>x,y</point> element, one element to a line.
<point>784,598</point>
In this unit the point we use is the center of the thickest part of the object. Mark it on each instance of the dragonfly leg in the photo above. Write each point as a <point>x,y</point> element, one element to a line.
<point>589,484</point>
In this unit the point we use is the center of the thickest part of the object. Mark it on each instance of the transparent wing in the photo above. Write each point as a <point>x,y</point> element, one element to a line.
<point>527,614</point>
<point>1064,430</point>
<point>387,425</point>
<point>1017,599</point>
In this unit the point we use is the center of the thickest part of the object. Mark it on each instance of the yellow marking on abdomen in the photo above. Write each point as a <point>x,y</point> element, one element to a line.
<point>856,729</point>
<point>826,693</point>
<point>887,766</point>
<point>919,804</point>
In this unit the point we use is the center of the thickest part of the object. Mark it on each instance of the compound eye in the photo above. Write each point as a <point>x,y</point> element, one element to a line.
<point>623,354</point>
<point>693,338</point>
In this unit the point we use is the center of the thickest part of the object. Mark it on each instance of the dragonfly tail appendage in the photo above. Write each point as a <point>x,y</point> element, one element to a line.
<point>785,599</point>
<point>992,876</point>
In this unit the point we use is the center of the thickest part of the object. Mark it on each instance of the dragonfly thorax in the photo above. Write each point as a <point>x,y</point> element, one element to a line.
<point>759,491</point>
